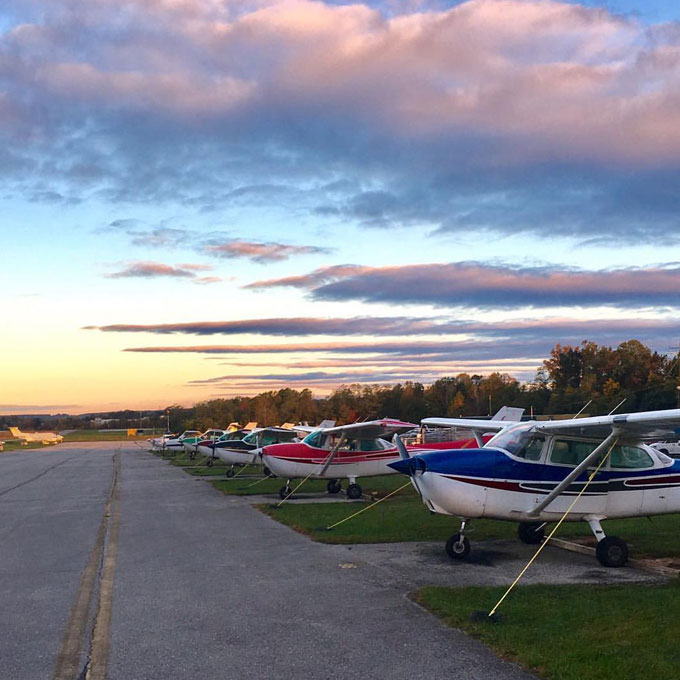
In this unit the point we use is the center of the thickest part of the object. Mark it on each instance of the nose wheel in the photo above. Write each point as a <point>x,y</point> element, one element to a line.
<point>230,472</point>
<point>458,546</point>
<point>285,491</point>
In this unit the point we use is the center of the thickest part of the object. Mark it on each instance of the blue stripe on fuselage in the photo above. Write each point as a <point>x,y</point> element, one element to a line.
<point>495,463</point>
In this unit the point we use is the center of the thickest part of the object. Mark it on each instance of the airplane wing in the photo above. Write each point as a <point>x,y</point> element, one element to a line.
<point>372,429</point>
<point>646,425</point>
<point>474,424</point>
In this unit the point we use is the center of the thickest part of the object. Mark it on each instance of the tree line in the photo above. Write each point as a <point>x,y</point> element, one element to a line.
<point>588,375</point>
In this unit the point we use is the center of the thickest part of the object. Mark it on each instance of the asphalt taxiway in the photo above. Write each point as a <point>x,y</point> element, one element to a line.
<point>115,564</point>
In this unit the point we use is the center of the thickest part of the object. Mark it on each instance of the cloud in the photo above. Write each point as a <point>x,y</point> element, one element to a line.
<point>653,331</point>
<point>259,251</point>
<point>153,270</point>
<point>478,285</point>
<point>511,116</point>
<point>294,326</point>
<point>316,278</point>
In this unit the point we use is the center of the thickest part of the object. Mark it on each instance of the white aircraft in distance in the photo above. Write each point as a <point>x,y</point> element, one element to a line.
<point>248,450</point>
<point>177,443</point>
<point>42,437</point>
<point>536,472</point>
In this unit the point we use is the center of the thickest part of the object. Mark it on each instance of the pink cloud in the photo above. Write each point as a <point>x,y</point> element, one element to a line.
<point>259,251</point>
<point>560,76</point>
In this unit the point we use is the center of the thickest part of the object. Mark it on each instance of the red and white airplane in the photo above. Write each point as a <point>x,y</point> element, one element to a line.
<point>347,451</point>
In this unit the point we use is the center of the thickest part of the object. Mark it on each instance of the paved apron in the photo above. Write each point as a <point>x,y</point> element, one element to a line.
<point>115,562</point>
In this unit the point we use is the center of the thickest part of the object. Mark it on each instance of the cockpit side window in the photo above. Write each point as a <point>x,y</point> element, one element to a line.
<point>571,452</point>
<point>630,458</point>
<point>532,449</point>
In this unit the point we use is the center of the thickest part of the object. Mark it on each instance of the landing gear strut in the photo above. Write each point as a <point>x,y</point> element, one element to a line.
<point>458,546</point>
<point>611,551</point>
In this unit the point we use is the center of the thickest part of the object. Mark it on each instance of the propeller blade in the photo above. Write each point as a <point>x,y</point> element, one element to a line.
<point>407,465</point>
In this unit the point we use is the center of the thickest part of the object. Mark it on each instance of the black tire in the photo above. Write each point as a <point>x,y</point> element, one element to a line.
<point>230,473</point>
<point>531,533</point>
<point>612,551</point>
<point>267,472</point>
<point>210,462</point>
<point>353,492</point>
<point>457,549</point>
<point>192,455</point>
<point>284,492</point>
<point>334,486</point>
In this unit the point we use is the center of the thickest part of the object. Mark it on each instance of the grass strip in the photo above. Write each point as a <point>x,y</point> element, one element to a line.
<point>406,519</point>
<point>573,632</point>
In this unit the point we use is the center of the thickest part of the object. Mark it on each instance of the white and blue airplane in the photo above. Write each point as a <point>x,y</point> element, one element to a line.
<point>532,472</point>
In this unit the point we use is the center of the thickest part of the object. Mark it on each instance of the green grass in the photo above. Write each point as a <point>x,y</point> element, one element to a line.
<point>372,486</point>
<point>16,446</point>
<point>96,436</point>
<point>406,519</point>
<point>573,632</point>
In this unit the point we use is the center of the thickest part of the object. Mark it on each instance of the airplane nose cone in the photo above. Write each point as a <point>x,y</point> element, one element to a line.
<point>409,466</point>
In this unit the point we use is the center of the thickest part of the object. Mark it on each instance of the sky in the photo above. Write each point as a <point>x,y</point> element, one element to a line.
<point>210,198</point>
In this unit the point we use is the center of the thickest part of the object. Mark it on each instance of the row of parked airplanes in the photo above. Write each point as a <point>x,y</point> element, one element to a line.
<point>531,472</point>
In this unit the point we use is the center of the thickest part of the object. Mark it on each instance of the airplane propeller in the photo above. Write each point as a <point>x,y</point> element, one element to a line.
<point>408,464</point>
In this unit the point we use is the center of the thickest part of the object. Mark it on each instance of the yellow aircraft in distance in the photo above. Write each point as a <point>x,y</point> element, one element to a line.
<point>42,437</point>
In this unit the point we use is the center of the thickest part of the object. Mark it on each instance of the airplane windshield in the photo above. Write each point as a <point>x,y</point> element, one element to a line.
<point>314,439</point>
<point>514,439</point>
<point>251,438</point>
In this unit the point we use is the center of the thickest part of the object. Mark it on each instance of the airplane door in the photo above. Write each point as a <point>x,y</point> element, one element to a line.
<point>564,455</point>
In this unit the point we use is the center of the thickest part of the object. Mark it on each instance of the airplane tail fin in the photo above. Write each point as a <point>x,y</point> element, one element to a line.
<point>326,424</point>
<point>251,425</point>
<point>15,432</point>
<point>509,413</point>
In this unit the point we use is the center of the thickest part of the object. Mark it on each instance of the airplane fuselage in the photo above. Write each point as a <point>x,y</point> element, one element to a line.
<point>492,483</point>
<point>299,460</point>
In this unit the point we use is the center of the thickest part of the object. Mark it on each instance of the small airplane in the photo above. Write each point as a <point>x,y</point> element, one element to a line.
<point>42,437</point>
<point>247,451</point>
<point>536,472</point>
<point>347,451</point>
<point>177,443</point>
<point>210,448</point>
<point>190,444</point>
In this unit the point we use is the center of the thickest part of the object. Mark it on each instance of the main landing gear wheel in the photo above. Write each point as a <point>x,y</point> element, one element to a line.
<point>612,552</point>
<point>457,547</point>
<point>210,462</point>
<point>192,455</point>
<point>335,486</point>
<point>531,532</point>
<point>353,492</point>
<point>284,492</point>
<point>267,472</point>
<point>230,472</point>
